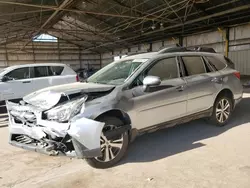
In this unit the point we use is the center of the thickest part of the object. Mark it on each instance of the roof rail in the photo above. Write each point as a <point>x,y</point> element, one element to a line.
<point>135,53</point>
<point>172,49</point>
<point>202,49</point>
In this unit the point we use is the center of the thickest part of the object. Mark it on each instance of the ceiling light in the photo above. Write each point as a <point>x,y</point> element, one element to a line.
<point>153,27</point>
<point>161,26</point>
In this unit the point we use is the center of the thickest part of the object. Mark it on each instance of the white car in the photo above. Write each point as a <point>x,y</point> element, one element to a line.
<point>20,80</point>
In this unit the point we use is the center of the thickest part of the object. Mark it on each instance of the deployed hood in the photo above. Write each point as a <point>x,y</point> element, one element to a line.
<point>48,97</point>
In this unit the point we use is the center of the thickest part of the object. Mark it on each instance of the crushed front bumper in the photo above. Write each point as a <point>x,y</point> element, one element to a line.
<point>79,138</point>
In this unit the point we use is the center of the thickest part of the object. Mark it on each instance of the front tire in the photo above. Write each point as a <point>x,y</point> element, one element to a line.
<point>112,150</point>
<point>222,111</point>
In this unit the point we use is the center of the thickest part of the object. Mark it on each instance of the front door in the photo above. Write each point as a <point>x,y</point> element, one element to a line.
<point>18,85</point>
<point>162,103</point>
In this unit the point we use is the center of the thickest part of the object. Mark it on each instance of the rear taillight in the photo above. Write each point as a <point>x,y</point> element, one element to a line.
<point>77,78</point>
<point>237,74</point>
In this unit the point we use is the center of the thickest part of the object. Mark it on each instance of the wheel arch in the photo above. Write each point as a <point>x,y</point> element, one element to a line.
<point>225,92</point>
<point>123,116</point>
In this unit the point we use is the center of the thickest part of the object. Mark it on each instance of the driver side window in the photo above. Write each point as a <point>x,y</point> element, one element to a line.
<point>165,69</point>
<point>19,74</point>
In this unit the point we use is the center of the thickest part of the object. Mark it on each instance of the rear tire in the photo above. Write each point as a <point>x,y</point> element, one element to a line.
<point>112,150</point>
<point>222,111</point>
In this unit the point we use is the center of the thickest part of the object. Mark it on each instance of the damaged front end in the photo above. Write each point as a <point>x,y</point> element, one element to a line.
<point>54,131</point>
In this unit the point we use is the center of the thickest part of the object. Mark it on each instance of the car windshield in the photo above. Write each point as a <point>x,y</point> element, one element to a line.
<point>116,73</point>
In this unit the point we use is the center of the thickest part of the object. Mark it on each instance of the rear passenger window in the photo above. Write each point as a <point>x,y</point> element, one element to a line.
<point>165,69</point>
<point>217,64</point>
<point>55,70</point>
<point>41,71</point>
<point>193,65</point>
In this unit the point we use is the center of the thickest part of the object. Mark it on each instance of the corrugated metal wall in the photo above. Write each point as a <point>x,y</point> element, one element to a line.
<point>242,61</point>
<point>239,46</point>
<point>47,52</point>
<point>63,52</point>
<point>239,51</point>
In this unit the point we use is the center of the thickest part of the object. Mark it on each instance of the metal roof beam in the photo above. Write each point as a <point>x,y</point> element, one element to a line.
<point>74,10</point>
<point>240,8</point>
<point>63,5</point>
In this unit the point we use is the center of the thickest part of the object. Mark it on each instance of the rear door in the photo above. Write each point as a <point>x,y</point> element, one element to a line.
<point>69,75</point>
<point>56,76</point>
<point>203,83</point>
<point>40,77</point>
<point>46,76</point>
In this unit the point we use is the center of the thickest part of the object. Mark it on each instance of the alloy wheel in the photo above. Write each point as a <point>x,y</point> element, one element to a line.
<point>223,110</point>
<point>109,148</point>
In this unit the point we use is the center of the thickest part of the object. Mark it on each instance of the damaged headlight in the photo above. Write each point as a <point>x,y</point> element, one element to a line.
<point>65,112</point>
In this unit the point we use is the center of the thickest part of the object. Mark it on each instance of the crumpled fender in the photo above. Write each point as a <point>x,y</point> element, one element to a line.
<point>87,132</point>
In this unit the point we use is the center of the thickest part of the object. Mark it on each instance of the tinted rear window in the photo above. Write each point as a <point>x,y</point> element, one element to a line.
<point>216,63</point>
<point>55,70</point>
<point>41,71</point>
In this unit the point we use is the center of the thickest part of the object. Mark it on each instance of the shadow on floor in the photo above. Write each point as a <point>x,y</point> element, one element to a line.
<point>185,137</point>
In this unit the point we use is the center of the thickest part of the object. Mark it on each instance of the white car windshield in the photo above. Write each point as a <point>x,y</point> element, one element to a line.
<point>116,73</point>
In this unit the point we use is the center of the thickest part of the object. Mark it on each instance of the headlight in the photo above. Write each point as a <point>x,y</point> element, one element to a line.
<point>65,112</point>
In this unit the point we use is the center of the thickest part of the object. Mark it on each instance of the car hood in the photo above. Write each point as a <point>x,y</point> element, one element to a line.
<point>48,97</point>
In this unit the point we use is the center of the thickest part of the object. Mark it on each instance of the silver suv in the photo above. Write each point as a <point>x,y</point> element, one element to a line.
<point>138,94</point>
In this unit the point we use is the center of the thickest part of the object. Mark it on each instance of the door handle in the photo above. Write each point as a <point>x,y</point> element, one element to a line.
<point>26,82</point>
<point>180,88</point>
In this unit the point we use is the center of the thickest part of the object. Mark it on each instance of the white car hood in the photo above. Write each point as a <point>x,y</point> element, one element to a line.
<point>48,97</point>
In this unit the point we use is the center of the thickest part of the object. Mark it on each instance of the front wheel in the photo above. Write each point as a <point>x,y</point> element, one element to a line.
<point>222,111</point>
<point>112,150</point>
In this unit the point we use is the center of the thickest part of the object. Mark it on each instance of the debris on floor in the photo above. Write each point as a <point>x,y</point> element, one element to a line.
<point>150,179</point>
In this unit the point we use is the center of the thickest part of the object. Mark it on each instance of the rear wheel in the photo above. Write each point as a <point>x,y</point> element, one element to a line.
<point>222,111</point>
<point>112,150</point>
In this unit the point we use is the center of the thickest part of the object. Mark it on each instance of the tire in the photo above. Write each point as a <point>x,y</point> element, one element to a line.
<point>221,115</point>
<point>118,152</point>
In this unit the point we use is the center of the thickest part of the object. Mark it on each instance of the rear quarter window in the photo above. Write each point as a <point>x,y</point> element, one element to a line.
<point>229,62</point>
<point>216,63</point>
<point>55,70</point>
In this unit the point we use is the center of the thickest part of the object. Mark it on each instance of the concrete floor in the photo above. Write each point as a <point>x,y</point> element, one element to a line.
<point>192,155</point>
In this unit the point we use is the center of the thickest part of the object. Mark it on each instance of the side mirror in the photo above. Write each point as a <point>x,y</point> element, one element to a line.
<point>5,79</point>
<point>150,81</point>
